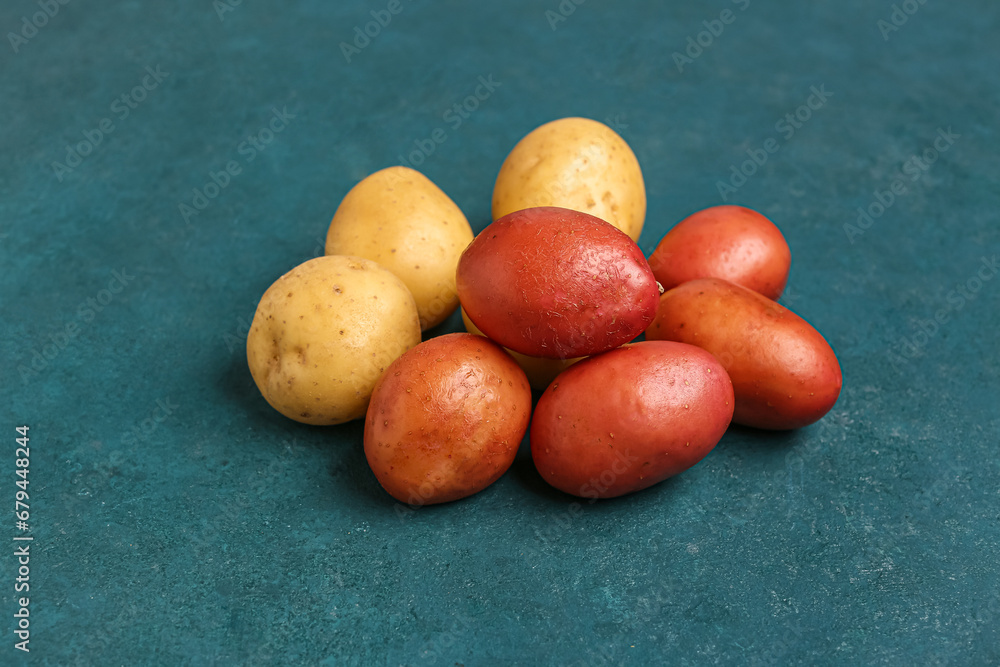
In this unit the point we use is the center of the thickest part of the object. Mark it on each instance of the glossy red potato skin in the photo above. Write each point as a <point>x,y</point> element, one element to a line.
<point>733,243</point>
<point>555,283</point>
<point>784,372</point>
<point>627,419</point>
<point>446,419</point>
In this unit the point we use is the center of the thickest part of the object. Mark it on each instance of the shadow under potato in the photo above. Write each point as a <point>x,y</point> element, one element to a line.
<point>738,434</point>
<point>238,388</point>
<point>339,447</point>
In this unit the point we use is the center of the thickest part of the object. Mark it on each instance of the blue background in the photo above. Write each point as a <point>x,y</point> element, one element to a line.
<point>177,519</point>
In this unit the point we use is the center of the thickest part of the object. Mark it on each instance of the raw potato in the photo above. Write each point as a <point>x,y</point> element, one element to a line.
<point>400,219</point>
<point>627,419</point>
<point>540,371</point>
<point>323,334</point>
<point>555,283</point>
<point>446,419</point>
<point>730,242</point>
<point>784,372</point>
<point>574,163</point>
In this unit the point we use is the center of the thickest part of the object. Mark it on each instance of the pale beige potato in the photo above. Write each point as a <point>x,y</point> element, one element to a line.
<point>400,219</point>
<point>541,372</point>
<point>323,334</point>
<point>574,163</point>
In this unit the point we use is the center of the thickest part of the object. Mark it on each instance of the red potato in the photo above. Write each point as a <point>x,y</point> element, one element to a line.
<point>784,372</point>
<point>627,419</point>
<point>555,283</point>
<point>729,242</point>
<point>446,419</point>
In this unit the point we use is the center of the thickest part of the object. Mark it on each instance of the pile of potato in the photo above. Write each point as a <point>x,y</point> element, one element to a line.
<point>552,293</point>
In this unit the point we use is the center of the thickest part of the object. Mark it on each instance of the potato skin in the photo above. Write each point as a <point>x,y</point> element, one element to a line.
<point>555,283</point>
<point>574,163</point>
<point>324,332</point>
<point>733,243</point>
<point>784,372</point>
<point>540,371</point>
<point>446,419</point>
<point>399,218</point>
<point>627,419</point>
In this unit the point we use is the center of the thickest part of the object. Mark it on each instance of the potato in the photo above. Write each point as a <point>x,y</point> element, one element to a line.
<point>784,372</point>
<point>541,372</point>
<point>400,219</point>
<point>555,283</point>
<point>446,419</point>
<point>729,242</point>
<point>324,332</point>
<point>574,163</point>
<point>624,420</point>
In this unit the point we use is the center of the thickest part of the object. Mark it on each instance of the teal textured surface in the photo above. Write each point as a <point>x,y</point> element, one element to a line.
<point>164,163</point>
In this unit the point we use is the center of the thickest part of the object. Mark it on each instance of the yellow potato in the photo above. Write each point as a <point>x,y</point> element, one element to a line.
<point>323,334</point>
<point>541,372</point>
<point>400,219</point>
<point>574,163</point>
